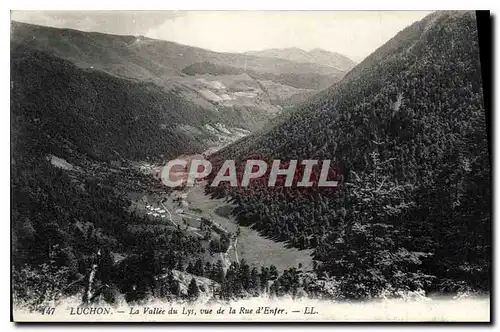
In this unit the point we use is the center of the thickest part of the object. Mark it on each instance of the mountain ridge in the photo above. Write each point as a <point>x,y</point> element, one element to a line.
<point>406,131</point>
<point>316,55</point>
<point>168,57</point>
<point>228,98</point>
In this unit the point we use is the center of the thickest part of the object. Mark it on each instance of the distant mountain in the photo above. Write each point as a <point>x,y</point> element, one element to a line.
<point>407,134</point>
<point>317,56</point>
<point>151,59</point>
<point>242,91</point>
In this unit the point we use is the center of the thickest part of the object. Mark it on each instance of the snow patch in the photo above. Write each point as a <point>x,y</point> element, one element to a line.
<point>210,95</point>
<point>222,128</point>
<point>241,131</point>
<point>225,96</point>
<point>397,103</point>
<point>217,85</point>
<point>246,94</point>
<point>224,134</point>
<point>210,128</point>
<point>60,163</point>
<point>212,84</point>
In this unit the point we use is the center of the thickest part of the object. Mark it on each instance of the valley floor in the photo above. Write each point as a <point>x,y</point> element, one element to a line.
<point>187,206</point>
<point>250,244</point>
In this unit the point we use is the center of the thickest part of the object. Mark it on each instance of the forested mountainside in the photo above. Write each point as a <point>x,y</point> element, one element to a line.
<point>57,106</point>
<point>76,135</point>
<point>242,91</point>
<point>317,55</point>
<point>87,118</point>
<point>406,131</point>
<point>74,132</point>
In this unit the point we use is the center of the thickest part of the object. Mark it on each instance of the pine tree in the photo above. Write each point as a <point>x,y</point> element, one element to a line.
<point>244,274</point>
<point>208,270</point>
<point>218,272</point>
<point>366,252</point>
<point>254,279</point>
<point>198,268</point>
<point>273,272</point>
<point>264,277</point>
<point>190,268</point>
<point>193,290</point>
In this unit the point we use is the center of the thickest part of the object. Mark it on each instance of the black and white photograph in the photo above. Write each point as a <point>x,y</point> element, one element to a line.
<point>250,166</point>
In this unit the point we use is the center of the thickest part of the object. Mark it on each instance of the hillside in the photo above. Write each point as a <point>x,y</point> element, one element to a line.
<point>91,115</point>
<point>406,131</point>
<point>150,59</point>
<point>240,91</point>
<point>96,114</point>
<point>317,56</point>
<point>94,117</point>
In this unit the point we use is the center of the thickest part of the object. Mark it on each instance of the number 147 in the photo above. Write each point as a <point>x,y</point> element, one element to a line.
<point>48,311</point>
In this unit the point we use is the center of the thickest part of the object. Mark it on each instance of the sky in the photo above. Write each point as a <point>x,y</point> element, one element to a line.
<point>355,34</point>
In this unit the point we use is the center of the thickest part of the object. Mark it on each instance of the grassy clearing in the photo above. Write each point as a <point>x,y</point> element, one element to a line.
<point>253,247</point>
<point>258,250</point>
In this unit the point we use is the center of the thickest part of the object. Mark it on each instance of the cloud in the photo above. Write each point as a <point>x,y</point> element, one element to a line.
<point>355,34</point>
<point>115,22</point>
